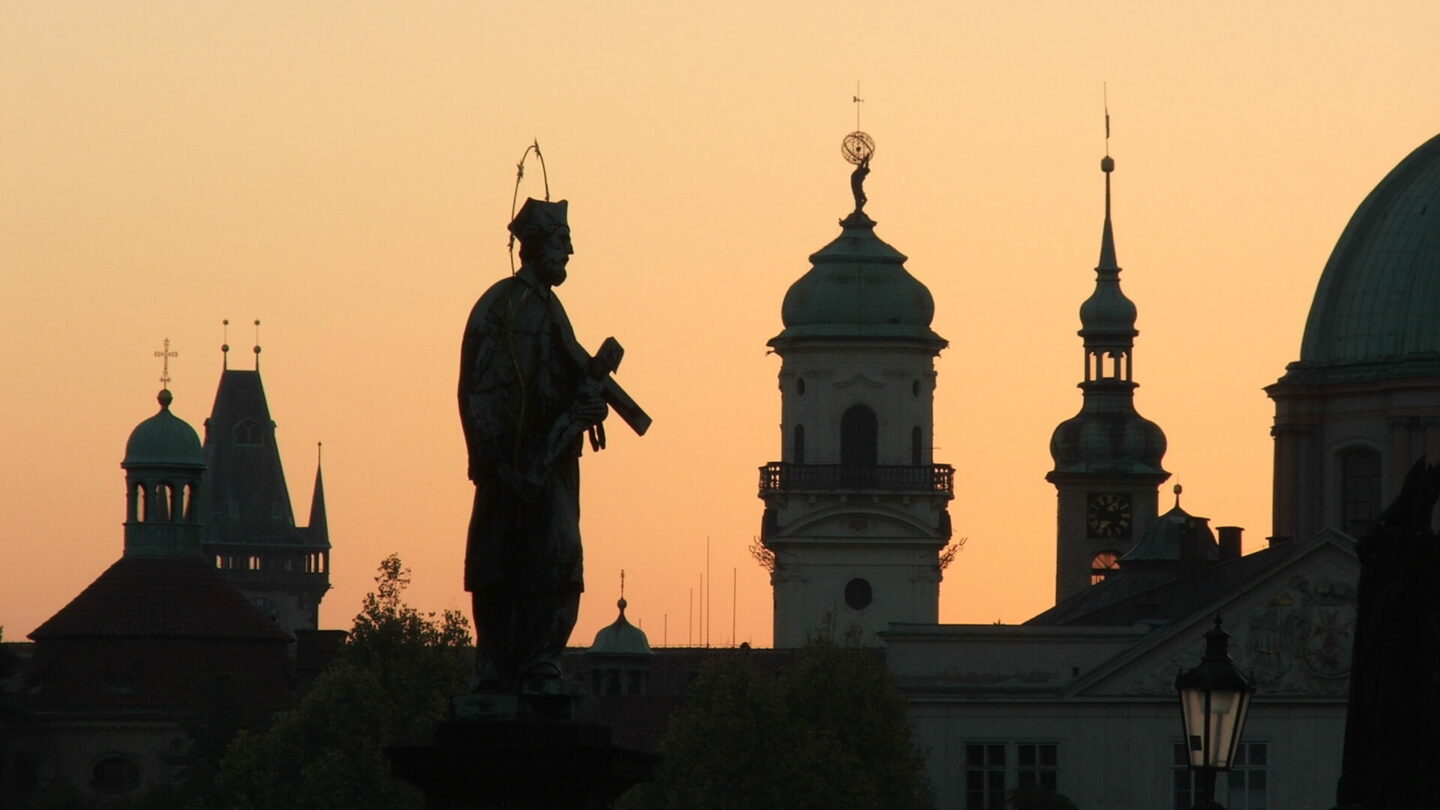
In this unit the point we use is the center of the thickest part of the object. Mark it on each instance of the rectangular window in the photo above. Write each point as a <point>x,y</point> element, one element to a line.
<point>1036,764</point>
<point>1247,780</point>
<point>992,769</point>
<point>985,776</point>
<point>1182,779</point>
<point>1244,787</point>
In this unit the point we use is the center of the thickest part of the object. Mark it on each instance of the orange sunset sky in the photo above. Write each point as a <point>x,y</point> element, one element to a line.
<point>343,172</point>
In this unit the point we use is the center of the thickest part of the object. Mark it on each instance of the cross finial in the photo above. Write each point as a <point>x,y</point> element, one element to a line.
<point>857,101</point>
<point>165,354</point>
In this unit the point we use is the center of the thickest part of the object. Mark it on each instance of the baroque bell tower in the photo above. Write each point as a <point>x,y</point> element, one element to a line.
<point>1107,457</point>
<point>856,510</point>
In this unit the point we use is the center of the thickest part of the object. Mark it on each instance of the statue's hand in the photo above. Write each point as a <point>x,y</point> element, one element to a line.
<point>589,408</point>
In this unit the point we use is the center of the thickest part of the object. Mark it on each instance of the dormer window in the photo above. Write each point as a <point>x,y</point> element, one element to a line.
<point>247,433</point>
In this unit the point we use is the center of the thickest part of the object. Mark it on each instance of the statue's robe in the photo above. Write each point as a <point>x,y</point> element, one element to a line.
<point>518,383</point>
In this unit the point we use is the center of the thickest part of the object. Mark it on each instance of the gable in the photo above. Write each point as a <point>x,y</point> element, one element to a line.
<point>1291,628</point>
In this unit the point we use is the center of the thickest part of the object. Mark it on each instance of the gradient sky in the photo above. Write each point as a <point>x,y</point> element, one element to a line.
<point>343,172</point>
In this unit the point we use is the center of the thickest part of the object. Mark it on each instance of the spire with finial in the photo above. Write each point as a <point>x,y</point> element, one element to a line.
<point>318,527</point>
<point>257,344</point>
<point>1178,489</point>
<point>225,345</point>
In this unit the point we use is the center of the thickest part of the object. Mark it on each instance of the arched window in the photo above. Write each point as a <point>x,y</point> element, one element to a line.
<point>1359,489</point>
<point>1105,563</point>
<point>858,430</point>
<point>915,438</point>
<point>159,509</point>
<point>190,502</point>
<point>799,446</point>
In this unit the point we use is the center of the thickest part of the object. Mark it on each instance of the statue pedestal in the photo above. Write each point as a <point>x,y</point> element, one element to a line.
<point>520,764</point>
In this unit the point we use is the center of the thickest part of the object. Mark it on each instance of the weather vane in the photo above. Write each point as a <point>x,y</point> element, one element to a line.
<point>166,354</point>
<point>857,148</point>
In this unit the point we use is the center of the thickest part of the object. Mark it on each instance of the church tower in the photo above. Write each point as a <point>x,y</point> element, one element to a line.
<point>856,510</point>
<point>1107,457</point>
<point>250,529</point>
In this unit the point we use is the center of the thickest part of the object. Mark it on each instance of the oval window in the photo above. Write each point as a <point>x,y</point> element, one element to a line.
<point>858,594</point>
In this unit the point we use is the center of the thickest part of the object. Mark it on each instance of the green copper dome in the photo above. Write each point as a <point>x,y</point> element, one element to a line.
<point>857,286</point>
<point>163,440</point>
<point>1108,436</point>
<point>1379,297</point>
<point>1175,536</point>
<point>621,638</point>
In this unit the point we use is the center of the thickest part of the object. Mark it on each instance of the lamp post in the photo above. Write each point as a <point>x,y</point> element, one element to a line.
<point>1214,700</point>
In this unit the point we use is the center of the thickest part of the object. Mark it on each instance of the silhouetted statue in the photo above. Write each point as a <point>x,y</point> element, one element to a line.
<point>527,398</point>
<point>1392,725</point>
<point>857,182</point>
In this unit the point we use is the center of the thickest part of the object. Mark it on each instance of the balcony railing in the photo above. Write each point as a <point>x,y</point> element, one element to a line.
<point>781,477</point>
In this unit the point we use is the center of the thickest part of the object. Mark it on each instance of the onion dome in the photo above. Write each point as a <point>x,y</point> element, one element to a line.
<point>857,286</point>
<point>164,440</point>
<point>1378,300</point>
<point>621,637</point>
<point>1174,537</point>
<point>1114,440</point>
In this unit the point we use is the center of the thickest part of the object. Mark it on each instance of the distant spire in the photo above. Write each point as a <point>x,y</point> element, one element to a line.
<point>318,525</point>
<point>1107,165</point>
<point>622,604</point>
<point>257,344</point>
<point>225,346</point>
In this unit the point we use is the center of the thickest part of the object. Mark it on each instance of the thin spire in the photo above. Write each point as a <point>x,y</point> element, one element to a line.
<point>225,345</point>
<point>257,344</point>
<point>1107,165</point>
<point>319,526</point>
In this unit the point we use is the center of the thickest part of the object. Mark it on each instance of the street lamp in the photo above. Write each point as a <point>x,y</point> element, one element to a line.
<point>1214,699</point>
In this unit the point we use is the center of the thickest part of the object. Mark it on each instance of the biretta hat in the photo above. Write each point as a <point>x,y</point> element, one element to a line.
<point>539,217</point>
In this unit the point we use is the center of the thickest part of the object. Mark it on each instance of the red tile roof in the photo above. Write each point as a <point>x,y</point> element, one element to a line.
<point>170,598</point>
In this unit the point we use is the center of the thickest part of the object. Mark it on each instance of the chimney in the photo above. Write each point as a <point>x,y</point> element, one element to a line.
<point>1229,542</point>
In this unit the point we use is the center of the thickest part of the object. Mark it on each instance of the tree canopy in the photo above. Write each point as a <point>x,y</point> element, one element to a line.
<point>830,731</point>
<point>392,680</point>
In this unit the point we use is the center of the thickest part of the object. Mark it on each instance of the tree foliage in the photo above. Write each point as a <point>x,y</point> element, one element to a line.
<point>392,680</point>
<point>830,731</point>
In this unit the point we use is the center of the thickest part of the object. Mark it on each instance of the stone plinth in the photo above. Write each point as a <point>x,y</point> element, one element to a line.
<point>520,764</point>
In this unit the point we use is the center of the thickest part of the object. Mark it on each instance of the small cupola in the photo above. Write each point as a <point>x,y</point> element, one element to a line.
<point>1176,539</point>
<point>621,656</point>
<point>163,466</point>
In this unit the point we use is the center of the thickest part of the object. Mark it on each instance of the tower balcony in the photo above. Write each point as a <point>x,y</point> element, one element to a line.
<point>778,477</point>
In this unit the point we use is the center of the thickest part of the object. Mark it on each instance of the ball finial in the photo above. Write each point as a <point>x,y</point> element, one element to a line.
<point>857,147</point>
<point>1107,164</point>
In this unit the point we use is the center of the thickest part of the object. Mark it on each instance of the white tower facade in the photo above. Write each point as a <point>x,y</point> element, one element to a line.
<point>856,510</point>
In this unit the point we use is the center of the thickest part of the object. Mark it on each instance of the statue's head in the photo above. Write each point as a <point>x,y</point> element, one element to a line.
<point>543,231</point>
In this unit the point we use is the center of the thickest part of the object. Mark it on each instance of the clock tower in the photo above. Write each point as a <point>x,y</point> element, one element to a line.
<point>1107,457</point>
<point>856,509</point>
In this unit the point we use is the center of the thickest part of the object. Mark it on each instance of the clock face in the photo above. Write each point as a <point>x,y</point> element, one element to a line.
<point>1108,514</point>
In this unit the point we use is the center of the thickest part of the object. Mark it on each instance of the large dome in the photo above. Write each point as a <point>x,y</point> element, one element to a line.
<point>1378,300</point>
<point>163,440</point>
<point>857,286</point>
